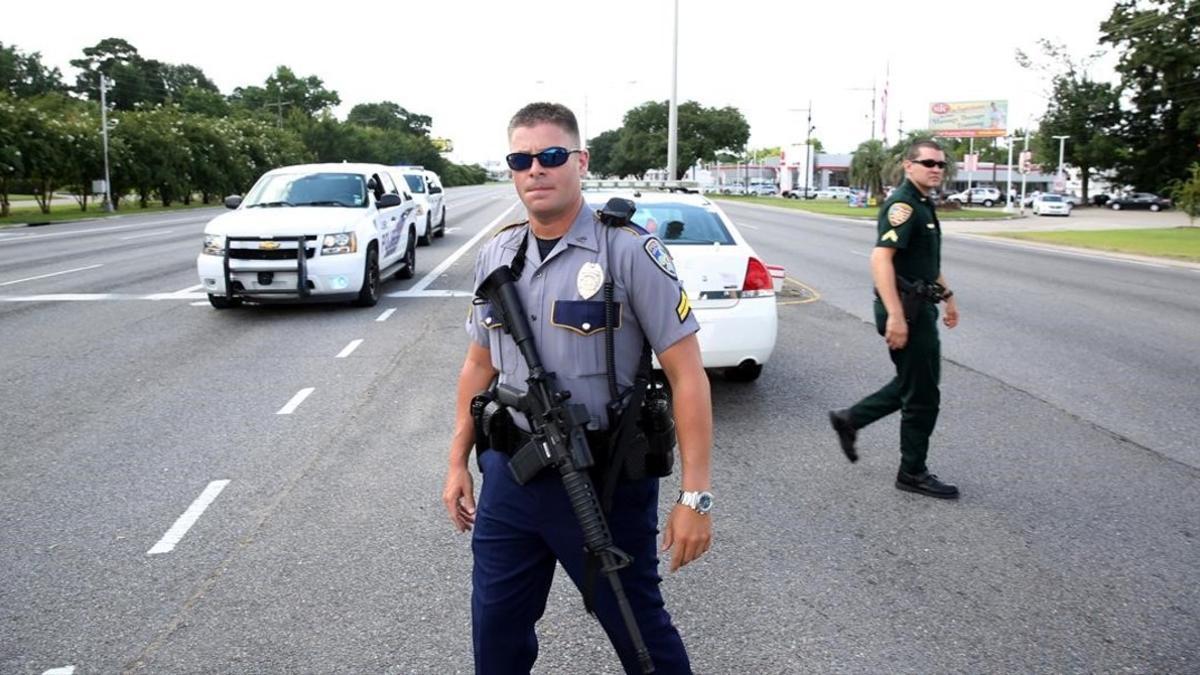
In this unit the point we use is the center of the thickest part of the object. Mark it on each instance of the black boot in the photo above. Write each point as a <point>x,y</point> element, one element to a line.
<point>840,420</point>
<point>925,483</point>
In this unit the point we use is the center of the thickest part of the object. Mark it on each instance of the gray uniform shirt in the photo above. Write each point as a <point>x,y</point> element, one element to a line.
<point>564,300</point>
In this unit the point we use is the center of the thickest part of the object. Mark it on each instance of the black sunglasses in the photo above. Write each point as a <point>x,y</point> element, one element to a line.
<point>927,163</point>
<point>548,158</point>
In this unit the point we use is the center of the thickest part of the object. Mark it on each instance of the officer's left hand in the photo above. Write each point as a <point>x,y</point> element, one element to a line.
<point>689,532</point>
<point>951,317</point>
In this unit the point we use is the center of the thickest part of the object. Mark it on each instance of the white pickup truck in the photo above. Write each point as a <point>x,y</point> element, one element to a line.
<point>353,222</point>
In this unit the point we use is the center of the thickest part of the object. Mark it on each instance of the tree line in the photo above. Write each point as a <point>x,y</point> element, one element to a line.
<point>173,134</point>
<point>640,144</point>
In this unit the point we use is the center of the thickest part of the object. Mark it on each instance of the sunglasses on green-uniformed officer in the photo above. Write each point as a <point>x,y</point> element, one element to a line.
<point>929,163</point>
<point>548,158</point>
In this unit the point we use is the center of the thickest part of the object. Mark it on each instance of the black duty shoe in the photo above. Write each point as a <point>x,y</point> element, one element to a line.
<point>925,483</point>
<point>840,420</point>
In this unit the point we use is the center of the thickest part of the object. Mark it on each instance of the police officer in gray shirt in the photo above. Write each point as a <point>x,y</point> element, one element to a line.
<point>520,531</point>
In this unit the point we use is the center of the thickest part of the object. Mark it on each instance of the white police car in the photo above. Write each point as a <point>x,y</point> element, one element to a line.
<point>730,289</point>
<point>353,222</point>
<point>426,188</point>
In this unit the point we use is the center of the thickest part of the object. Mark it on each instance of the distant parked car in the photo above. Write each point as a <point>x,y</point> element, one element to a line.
<point>987,196</point>
<point>763,189</point>
<point>800,192</point>
<point>733,189</point>
<point>835,192</point>
<point>1051,205</point>
<point>1139,200</point>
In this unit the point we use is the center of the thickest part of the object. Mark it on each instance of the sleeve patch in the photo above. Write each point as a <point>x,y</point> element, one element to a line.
<point>899,213</point>
<point>684,308</point>
<point>658,253</point>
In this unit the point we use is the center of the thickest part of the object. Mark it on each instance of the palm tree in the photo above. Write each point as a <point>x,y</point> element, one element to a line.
<point>867,166</point>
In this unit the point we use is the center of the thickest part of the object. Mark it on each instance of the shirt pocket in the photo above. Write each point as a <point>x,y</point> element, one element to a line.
<point>503,349</point>
<point>578,328</point>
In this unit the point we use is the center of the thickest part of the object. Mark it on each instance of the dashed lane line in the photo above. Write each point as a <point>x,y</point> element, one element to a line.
<point>291,405</point>
<point>188,519</point>
<point>52,274</point>
<point>445,264</point>
<point>148,234</point>
<point>349,349</point>
<point>387,313</point>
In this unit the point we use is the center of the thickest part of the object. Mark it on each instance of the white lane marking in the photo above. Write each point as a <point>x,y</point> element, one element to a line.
<point>431,294</point>
<point>198,304</point>
<point>386,314</point>
<point>148,234</point>
<point>177,295</point>
<point>451,230</point>
<point>52,274</point>
<point>349,349</point>
<point>91,230</point>
<point>753,227</point>
<point>445,264</point>
<point>1051,249</point>
<point>859,253</point>
<point>64,670</point>
<point>189,289</point>
<point>62,297</point>
<point>189,518</point>
<point>296,401</point>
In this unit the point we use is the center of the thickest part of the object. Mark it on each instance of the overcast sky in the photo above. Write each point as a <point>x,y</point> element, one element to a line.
<point>470,64</point>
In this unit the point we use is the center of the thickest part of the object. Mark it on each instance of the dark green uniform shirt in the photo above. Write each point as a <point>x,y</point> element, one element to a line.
<point>909,224</point>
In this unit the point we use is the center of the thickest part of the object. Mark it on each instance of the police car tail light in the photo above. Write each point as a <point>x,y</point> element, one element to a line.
<point>333,244</point>
<point>758,280</point>
<point>214,244</point>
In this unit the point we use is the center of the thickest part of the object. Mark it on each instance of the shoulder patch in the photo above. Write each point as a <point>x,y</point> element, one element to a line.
<point>899,213</point>
<point>658,253</point>
<point>506,228</point>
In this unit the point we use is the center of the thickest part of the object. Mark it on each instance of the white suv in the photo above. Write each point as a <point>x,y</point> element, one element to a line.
<point>354,224</point>
<point>986,196</point>
<point>426,188</point>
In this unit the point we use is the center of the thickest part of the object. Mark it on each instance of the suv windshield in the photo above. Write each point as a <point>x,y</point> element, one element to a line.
<point>683,224</point>
<point>415,183</point>
<point>309,189</point>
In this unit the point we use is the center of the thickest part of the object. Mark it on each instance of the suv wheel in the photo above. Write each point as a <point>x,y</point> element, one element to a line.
<point>988,202</point>
<point>1155,207</point>
<point>441,228</point>
<point>368,295</point>
<point>424,239</point>
<point>410,260</point>
<point>1116,206</point>
<point>223,302</point>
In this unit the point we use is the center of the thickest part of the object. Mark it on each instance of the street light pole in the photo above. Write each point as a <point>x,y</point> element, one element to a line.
<point>108,205</point>
<point>1062,146</point>
<point>1008,192</point>
<point>807,143</point>
<point>673,112</point>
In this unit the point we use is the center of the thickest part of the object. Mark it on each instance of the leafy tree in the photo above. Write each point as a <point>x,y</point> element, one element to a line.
<point>12,165</point>
<point>24,75</point>
<point>390,116</point>
<point>1160,73</point>
<point>600,150</point>
<point>178,79</point>
<point>703,132</point>
<point>1186,193</point>
<point>203,102</point>
<point>158,159</point>
<point>868,165</point>
<point>1086,111</point>
<point>136,80</point>
<point>285,89</point>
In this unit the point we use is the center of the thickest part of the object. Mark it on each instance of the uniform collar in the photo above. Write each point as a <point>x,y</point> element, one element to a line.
<point>584,231</point>
<point>916,193</point>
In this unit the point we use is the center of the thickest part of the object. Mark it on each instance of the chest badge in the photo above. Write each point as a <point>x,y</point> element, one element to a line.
<point>589,279</point>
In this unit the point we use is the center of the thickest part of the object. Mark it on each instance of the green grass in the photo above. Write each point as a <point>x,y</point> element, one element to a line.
<point>830,207</point>
<point>1181,243</point>
<point>66,212</point>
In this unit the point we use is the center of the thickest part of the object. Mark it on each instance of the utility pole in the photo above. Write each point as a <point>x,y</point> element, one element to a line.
<point>278,105</point>
<point>807,144</point>
<point>1024,172</point>
<point>108,205</point>
<point>673,112</point>
<point>1008,208</point>
<point>970,153</point>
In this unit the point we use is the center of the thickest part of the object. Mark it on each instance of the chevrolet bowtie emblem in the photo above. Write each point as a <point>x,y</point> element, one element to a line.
<point>268,245</point>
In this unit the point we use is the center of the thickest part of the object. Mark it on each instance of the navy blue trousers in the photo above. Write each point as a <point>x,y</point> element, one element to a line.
<point>520,531</point>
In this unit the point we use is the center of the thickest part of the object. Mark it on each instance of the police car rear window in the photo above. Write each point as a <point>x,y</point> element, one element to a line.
<point>682,224</point>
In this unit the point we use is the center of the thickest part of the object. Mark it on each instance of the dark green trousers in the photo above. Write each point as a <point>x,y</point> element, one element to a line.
<point>914,390</point>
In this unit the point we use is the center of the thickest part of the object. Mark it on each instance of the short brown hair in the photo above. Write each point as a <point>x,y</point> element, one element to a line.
<point>914,150</point>
<point>549,113</point>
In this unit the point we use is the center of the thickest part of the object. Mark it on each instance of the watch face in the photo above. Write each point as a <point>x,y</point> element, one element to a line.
<point>704,502</point>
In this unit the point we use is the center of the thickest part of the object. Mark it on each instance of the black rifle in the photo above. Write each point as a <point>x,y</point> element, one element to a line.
<point>558,440</point>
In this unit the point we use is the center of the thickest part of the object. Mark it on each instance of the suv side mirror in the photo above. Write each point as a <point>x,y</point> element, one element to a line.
<point>388,201</point>
<point>233,201</point>
<point>435,189</point>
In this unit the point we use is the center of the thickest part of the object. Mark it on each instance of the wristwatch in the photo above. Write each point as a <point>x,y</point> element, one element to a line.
<point>700,502</point>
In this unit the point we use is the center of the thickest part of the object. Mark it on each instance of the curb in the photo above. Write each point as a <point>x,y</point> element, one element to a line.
<point>853,219</point>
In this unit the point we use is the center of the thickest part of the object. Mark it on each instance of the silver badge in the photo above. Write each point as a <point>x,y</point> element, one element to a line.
<point>589,280</point>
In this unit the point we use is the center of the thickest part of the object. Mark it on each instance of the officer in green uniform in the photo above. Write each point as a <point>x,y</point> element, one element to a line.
<point>906,269</point>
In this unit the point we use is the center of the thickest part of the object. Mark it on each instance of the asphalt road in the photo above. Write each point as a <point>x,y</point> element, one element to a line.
<point>1068,423</point>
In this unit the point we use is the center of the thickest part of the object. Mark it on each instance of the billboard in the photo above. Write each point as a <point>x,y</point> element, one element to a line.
<point>969,119</point>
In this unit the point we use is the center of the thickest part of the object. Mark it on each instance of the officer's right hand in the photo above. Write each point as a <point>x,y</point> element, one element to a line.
<point>896,332</point>
<point>459,497</point>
